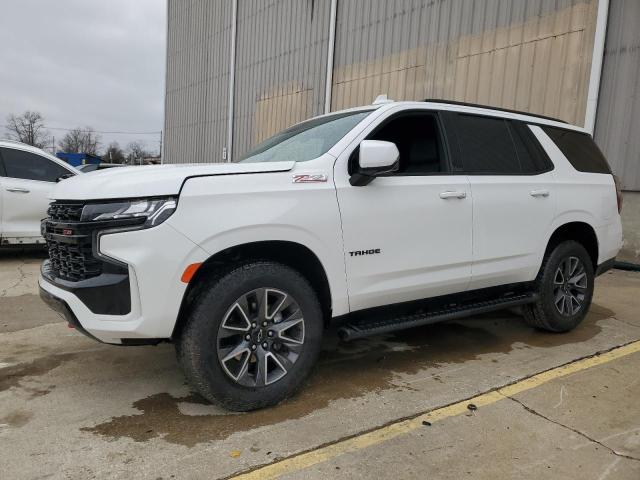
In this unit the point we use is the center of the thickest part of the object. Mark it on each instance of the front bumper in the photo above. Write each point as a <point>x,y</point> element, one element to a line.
<point>154,261</point>
<point>62,308</point>
<point>107,294</point>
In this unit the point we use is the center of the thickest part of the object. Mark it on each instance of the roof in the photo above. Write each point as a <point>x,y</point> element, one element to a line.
<point>23,146</point>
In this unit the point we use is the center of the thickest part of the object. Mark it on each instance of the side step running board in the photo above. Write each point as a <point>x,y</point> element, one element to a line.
<point>363,328</point>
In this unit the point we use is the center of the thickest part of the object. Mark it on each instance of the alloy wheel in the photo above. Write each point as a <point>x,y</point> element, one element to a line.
<point>570,286</point>
<point>260,337</point>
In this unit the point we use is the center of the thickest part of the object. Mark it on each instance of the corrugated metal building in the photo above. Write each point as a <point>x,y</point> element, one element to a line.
<point>240,70</point>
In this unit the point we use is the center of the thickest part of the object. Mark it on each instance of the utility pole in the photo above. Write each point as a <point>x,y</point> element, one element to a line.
<point>160,154</point>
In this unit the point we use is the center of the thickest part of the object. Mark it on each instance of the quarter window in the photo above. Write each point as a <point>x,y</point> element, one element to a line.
<point>580,149</point>
<point>29,166</point>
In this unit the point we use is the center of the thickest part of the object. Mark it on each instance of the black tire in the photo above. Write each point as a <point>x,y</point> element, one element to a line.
<point>545,312</point>
<point>197,344</point>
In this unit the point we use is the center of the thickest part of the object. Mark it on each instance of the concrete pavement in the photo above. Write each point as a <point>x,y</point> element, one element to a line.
<point>73,408</point>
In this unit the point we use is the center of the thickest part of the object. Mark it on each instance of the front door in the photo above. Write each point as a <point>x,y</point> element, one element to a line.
<point>407,236</point>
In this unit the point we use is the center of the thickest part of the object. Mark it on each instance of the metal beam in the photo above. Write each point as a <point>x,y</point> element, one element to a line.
<point>596,65</point>
<point>330,53</point>
<point>232,78</point>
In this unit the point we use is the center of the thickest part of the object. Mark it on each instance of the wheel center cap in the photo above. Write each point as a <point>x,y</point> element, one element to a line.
<point>259,335</point>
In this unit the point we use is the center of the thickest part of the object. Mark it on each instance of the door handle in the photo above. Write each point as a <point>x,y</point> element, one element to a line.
<point>17,190</point>
<point>539,193</point>
<point>449,194</point>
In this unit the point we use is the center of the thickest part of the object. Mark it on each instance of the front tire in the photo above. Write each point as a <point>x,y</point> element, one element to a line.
<point>565,289</point>
<point>252,336</point>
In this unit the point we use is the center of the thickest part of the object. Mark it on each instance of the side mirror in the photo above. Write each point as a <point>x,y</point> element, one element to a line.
<point>64,177</point>
<point>376,157</point>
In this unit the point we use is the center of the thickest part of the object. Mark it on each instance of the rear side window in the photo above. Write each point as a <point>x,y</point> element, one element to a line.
<point>532,157</point>
<point>486,145</point>
<point>580,149</point>
<point>29,166</point>
<point>497,146</point>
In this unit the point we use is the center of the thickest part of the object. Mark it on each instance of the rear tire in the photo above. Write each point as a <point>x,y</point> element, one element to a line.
<point>252,335</point>
<point>565,289</point>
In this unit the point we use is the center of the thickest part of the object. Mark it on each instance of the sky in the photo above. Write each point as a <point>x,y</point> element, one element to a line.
<point>84,63</point>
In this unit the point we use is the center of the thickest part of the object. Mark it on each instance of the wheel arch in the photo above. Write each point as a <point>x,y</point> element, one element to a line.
<point>580,232</point>
<point>293,254</point>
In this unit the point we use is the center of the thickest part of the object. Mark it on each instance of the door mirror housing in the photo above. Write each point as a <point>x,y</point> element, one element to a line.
<point>64,177</point>
<point>376,157</point>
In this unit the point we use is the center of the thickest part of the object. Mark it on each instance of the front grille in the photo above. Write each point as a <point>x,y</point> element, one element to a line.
<point>70,243</point>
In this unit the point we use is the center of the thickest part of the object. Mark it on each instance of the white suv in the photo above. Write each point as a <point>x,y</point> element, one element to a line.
<point>379,218</point>
<point>27,176</point>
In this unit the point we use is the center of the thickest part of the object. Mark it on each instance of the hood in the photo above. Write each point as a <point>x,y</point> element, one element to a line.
<point>150,181</point>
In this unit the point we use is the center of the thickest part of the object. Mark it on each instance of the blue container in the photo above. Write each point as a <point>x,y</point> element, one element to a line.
<point>77,159</point>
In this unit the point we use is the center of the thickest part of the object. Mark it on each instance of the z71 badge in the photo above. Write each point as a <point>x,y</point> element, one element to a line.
<point>310,178</point>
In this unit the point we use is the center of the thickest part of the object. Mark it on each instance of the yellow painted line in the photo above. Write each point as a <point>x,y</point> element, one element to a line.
<point>393,430</point>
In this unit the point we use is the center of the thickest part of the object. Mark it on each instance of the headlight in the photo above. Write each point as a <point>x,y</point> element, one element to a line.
<point>149,212</point>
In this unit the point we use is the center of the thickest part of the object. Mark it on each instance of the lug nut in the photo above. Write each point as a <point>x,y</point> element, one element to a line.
<point>264,324</point>
<point>254,325</point>
<point>253,347</point>
<point>247,337</point>
<point>270,333</point>
<point>265,345</point>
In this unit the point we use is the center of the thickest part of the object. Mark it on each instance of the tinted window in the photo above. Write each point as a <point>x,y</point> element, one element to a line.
<point>418,141</point>
<point>531,156</point>
<point>580,149</point>
<point>486,145</point>
<point>29,166</point>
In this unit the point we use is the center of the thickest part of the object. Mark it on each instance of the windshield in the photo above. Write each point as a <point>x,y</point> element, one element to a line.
<point>307,140</point>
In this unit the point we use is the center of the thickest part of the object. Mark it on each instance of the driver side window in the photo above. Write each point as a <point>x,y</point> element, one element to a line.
<point>417,136</point>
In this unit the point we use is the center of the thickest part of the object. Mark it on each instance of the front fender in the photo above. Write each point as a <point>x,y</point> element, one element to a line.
<point>218,214</point>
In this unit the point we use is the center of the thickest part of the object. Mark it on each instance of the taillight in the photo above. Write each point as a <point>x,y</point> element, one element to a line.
<point>616,180</point>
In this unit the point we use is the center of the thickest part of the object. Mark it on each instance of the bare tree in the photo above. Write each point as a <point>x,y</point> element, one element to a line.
<point>81,140</point>
<point>136,152</point>
<point>114,154</point>
<point>28,128</point>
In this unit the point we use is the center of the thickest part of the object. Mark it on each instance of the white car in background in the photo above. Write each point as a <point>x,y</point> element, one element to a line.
<point>27,176</point>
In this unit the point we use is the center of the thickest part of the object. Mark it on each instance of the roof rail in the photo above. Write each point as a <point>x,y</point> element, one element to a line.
<point>476,105</point>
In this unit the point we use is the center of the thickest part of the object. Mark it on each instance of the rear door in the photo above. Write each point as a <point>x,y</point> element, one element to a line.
<point>25,186</point>
<point>514,201</point>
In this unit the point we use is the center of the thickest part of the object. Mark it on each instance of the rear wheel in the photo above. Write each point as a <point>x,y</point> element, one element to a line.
<point>565,288</point>
<point>252,336</point>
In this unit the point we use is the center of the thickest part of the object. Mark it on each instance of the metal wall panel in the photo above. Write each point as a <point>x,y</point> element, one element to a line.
<point>618,115</point>
<point>280,66</point>
<point>532,55</point>
<point>196,105</point>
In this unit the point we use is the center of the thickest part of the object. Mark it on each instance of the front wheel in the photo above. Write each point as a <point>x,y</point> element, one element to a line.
<point>565,289</point>
<point>252,336</point>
